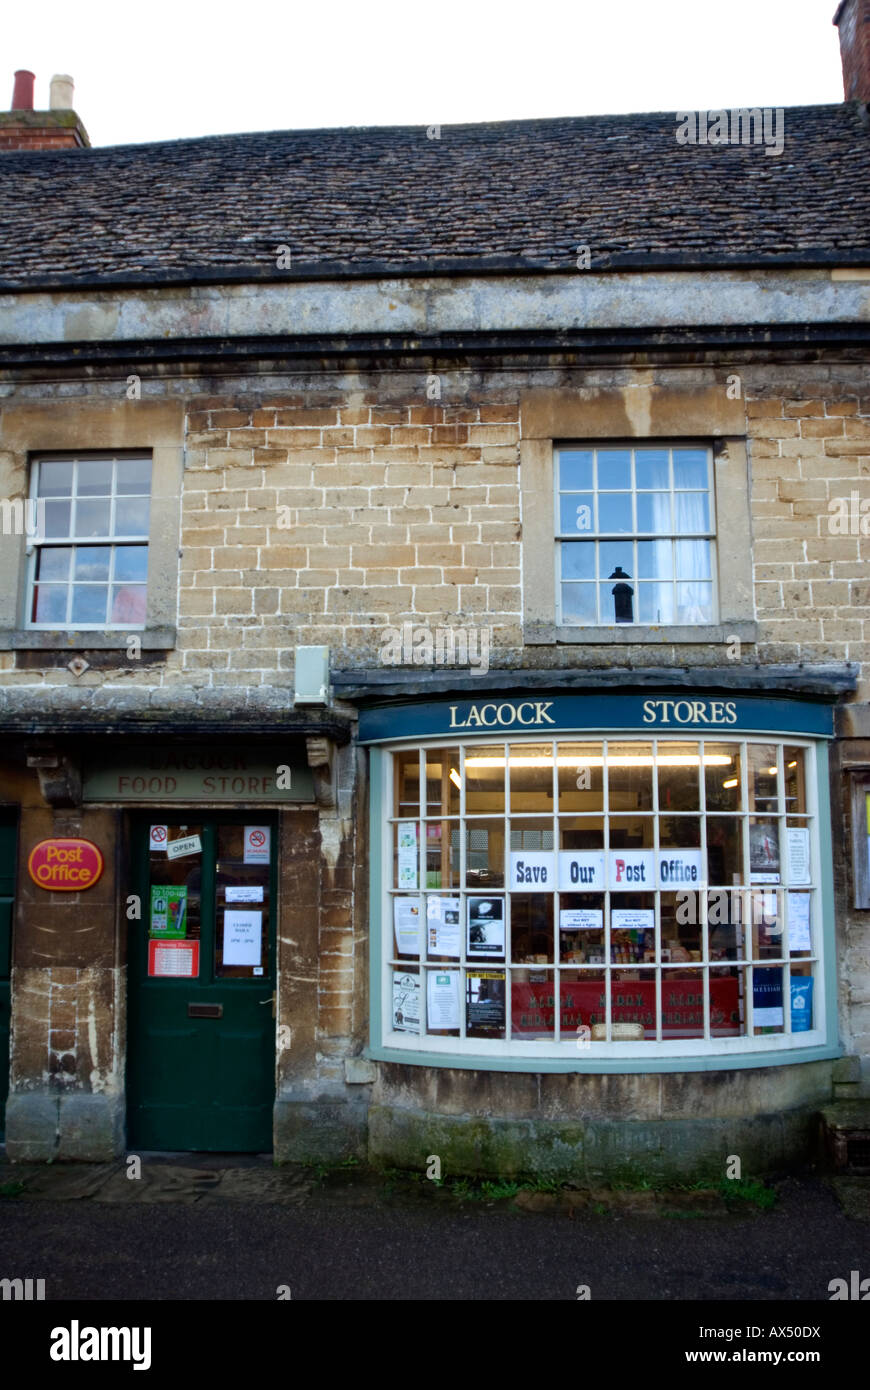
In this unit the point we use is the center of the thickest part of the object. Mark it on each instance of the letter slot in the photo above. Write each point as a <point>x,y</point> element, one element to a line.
<point>205,1011</point>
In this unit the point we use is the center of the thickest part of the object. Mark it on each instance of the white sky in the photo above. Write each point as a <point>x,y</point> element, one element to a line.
<point>172,68</point>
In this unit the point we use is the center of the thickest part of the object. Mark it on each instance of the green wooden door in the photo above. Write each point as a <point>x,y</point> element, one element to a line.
<point>8,847</point>
<point>201,1038</point>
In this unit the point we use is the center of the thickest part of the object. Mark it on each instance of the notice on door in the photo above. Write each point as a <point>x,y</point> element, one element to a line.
<point>168,911</point>
<point>157,838</point>
<point>257,844</point>
<point>242,936</point>
<point>174,958</point>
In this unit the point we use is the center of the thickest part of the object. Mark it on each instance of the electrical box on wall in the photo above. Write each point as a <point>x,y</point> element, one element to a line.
<point>312,676</point>
<point>861,837</point>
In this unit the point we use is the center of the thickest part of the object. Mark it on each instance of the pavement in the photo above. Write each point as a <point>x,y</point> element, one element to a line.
<point>212,1227</point>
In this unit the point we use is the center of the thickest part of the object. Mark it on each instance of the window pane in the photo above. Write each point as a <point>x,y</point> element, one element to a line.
<point>725,850</point>
<point>484,854</point>
<point>55,479</point>
<point>129,603</point>
<point>484,779</point>
<point>406,772</point>
<point>727,1003</point>
<point>131,516</point>
<point>92,562</point>
<point>131,562</point>
<point>575,470</point>
<point>655,559</point>
<point>133,476</point>
<point>682,1004</point>
<point>442,782</point>
<point>531,776</point>
<point>692,512</point>
<point>694,603</point>
<point>50,603</point>
<point>678,771</point>
<point>613,554</point>
<point>614,512</point>
<point>580,777</point>
<point>53,562</point>
<point>763,777</point>
<point>532,1004</point>
<point>655,603</point>
<point>633,1004</point>
<point>691,468</point>
<point>651,469</point>
<point>614,468</point>
<point>89,603</point>
<point>532,927</point>
<point>693,559</point>
<point>242,931</point>
<point>629,770</point>
<point>576,513</point>
<point>442,854</point>
<point>654,512</point>
<point>578,605</point>
<point>795,786</point>
<point>57,518</point>
<point>92,518</point>
<point>722,778</point>
<point>95,478</point>
<point>578,560</point>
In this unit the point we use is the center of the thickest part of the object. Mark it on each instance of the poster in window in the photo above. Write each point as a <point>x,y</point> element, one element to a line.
<point>443,998</point>
<point>406,919</point>
<point>798,908</point>
<point>797,844</point>
<point>767,998</point>
<point>168,911</point>
<point>243,934</point>
<point>407,856</point>
<point>406,1002</point>
<point>442,918</point>
<point>763,852</point>
<point>485,927</point>
<point>485,1003</point>
<point>801,1003</point>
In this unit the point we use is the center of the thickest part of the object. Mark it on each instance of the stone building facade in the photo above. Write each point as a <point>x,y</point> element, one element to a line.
<point>358,698</point>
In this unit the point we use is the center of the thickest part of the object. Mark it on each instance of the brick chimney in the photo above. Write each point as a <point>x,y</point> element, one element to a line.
<point>22,128</point>
<point>853,21</point>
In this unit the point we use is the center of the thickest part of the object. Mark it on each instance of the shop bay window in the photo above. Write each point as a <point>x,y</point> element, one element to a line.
<point>606,895</point>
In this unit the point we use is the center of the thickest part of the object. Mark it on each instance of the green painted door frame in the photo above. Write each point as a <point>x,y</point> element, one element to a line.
<point>201,1052</point>
<point>8,857</point>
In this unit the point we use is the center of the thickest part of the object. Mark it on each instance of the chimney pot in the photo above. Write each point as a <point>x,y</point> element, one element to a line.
<point>22,92</point>
<point>853,21</point>
<point>62,87</point>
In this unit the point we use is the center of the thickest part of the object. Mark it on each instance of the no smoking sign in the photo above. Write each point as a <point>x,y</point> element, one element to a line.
<point>257,844</point>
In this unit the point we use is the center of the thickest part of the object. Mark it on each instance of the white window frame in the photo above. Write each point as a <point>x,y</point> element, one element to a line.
<point>35,543</point>
<point>775,1046</point>
<point>593,536</point>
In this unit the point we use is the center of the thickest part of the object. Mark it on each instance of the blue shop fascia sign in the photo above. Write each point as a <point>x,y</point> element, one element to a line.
<point>668,713</point>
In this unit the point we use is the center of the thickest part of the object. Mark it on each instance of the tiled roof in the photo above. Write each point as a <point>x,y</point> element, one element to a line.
<point>390,200</point>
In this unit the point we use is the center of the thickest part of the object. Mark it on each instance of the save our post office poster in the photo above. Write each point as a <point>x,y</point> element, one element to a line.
<point>168,911</point>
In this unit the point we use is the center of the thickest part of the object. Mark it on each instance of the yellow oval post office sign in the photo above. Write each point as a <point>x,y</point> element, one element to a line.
<point>65,866</point>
